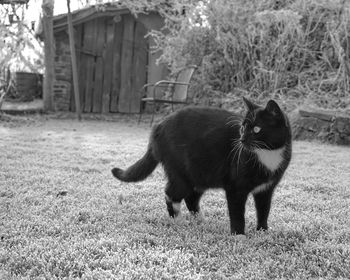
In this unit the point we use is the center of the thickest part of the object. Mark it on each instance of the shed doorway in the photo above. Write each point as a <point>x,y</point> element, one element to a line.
<point>112,55</point>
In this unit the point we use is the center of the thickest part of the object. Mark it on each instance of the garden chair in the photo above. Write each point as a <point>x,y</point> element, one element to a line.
<point>171,92</point>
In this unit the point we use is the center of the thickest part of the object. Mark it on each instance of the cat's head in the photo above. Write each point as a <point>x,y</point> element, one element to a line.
<point>264,127</point>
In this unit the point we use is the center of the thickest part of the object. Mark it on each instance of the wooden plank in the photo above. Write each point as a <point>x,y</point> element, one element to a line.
<point>82,64</point>
<point>100,43</point>
<point>78,30</point>
<point>74,62</point>
<point>318,114</point>
<point>108,64</point>
<point>117,46</point>
<point>139,74</point>
<point>49,51</point>
<point>126,65</point>
<point>89,43</point>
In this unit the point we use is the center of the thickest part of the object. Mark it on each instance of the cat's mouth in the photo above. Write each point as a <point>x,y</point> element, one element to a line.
<point>247,146</point>
<point>252,145</point>
<point>245,142</point>
<point>244,145</point>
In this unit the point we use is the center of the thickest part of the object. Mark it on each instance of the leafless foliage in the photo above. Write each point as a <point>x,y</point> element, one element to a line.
<point>296,50</point>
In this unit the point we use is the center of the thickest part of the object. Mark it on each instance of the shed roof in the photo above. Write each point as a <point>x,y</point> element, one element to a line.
<point>60,22</point>
<point>13,2</point>
<point>86,14</point>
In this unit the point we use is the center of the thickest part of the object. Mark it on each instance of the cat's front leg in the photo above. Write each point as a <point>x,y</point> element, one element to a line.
<point>263,205</point>
<point>236,201</point>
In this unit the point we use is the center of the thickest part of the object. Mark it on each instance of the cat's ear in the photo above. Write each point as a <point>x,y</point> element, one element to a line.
<point>250,105</point>
<point>273,108</point>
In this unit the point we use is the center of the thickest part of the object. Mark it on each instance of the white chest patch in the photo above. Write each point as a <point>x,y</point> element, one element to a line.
<point>271,159</point>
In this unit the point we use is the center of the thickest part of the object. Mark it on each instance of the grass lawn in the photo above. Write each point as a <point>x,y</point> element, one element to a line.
<point>63,215</point>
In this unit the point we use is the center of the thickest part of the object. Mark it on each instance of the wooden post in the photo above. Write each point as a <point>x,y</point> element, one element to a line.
<point>49,49</point>
<point>74,62</point>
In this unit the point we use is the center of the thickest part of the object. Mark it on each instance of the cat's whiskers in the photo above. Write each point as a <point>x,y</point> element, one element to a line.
<point>234,122</point>
<point>250,155</point>
<point>236,146</point>
<point>234,143</point>
<point>249,120</point>
<point>239,154</point>
<point>261,145</point>
<point>242,148</point>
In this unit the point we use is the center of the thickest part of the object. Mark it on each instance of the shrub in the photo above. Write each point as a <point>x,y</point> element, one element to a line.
<point>294,50</point>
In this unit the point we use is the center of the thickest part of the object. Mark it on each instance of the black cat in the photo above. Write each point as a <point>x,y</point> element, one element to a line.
<point>202,148</point>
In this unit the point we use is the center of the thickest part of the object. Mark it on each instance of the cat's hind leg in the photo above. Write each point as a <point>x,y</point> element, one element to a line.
<point>192,202</point>
<point>176,190</point>
<point>173,207</point>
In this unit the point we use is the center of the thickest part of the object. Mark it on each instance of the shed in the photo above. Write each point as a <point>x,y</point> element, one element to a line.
<point>114,59</point>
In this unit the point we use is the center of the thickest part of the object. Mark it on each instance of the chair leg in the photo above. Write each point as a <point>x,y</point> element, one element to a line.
<point>154,111</point>
<point>141,112</point>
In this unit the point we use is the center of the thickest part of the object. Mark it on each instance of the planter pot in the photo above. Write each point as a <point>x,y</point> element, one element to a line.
<point>27,85</point>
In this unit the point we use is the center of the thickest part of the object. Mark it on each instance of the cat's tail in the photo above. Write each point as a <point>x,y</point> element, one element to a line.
<point>139,171</point>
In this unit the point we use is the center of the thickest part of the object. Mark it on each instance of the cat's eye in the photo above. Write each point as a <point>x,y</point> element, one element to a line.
<point>256,129</point>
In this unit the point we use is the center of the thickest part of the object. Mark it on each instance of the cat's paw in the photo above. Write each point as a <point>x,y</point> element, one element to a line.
<point>179,219</point>
<point>240,237</point>
<point>197,218</point>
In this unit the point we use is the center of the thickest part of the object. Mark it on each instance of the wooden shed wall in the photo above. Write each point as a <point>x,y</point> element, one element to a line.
<point>114,62</point>
<point>111,51</point>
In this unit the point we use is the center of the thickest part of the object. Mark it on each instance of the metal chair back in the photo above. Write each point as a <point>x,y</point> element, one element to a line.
<point>181,90</point>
